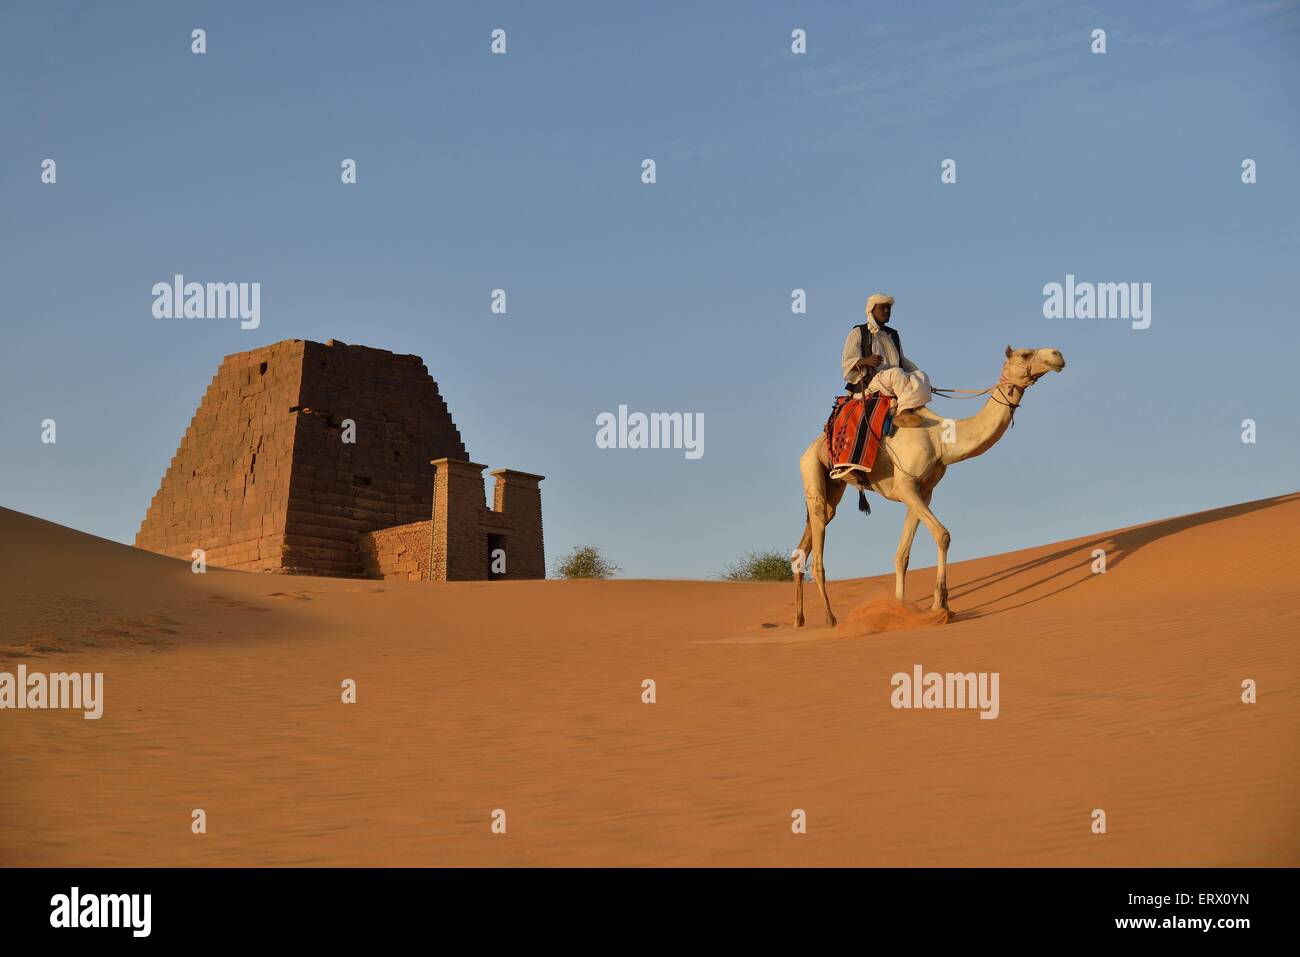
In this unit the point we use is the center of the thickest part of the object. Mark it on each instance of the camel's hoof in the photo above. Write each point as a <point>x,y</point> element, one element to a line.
<point>798,622</point>
<point>830,621</point>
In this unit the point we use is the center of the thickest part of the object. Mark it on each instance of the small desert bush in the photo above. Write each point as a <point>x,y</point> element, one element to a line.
<point>760,566</point>
<point>585,561</point>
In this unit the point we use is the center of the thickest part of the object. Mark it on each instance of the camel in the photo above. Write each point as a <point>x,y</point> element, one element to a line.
<point>909,466</point>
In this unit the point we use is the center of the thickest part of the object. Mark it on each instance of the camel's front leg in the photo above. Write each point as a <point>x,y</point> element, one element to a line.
<point>904,553</point>
<point>913,499</point>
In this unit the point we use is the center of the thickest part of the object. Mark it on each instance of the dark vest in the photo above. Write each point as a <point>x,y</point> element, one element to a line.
<point>863,351</point>
<point>866,337</point>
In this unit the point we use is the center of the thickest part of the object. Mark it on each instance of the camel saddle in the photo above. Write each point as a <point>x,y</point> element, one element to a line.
<point>854,431</point>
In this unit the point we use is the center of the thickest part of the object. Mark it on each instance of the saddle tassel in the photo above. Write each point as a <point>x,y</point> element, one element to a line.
<point>863,505</point>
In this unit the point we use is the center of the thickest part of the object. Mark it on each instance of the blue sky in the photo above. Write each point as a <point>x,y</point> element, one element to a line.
<point>775,172</point>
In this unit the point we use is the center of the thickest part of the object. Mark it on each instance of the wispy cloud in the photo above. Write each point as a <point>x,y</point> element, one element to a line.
<point>910,72</point>
<point>1012,46</point>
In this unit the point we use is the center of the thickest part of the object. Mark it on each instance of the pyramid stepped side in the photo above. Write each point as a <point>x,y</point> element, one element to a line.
<point>338,489</point>
<point>264,479</point>
<point>227,488</point>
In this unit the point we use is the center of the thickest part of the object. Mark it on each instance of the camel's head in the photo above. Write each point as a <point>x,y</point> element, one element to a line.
<point>1024,367</point>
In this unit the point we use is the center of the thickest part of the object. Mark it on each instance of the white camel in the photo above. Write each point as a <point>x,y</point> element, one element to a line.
<point>907,469</point>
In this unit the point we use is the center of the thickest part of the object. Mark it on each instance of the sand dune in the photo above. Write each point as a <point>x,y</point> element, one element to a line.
<point>222,691</point>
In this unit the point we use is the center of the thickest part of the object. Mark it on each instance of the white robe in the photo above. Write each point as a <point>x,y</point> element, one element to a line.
<point>898,376</point>
<point>912,389</point>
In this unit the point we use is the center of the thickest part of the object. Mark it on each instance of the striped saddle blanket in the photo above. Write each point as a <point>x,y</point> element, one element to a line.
<point>854,432</point>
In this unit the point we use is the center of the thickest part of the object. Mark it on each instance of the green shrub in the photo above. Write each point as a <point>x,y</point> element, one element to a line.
<point>760,566</point>
<point>585,561</point>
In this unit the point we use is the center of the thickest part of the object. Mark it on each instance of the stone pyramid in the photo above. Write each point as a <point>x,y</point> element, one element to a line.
<point>263,479</point>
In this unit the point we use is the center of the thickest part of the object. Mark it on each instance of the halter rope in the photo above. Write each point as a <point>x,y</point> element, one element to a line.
<point>994,392</point>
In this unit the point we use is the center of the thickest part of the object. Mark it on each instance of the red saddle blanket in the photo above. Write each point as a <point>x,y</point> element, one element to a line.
<point>855,429</point>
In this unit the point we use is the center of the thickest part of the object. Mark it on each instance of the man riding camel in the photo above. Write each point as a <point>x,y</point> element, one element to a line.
<point>873,362</point>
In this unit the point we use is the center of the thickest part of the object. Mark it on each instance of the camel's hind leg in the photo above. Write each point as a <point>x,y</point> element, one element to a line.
<point>818,529</point>
<point>798,562</point>
<point>821,495</point>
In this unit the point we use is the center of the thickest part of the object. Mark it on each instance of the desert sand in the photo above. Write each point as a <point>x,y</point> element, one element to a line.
<point>1119,691</point>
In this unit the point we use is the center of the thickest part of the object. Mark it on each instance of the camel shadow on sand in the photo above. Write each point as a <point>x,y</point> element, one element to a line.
<point>1118,546</point>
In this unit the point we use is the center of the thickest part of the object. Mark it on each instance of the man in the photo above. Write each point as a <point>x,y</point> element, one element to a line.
<point>873,361</point>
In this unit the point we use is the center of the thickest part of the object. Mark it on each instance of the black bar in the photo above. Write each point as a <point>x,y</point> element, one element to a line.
<point>330,906</point>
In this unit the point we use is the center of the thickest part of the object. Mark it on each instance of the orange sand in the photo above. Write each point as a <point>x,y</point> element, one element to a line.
<point>1119,691</point>
<point>883,612</point>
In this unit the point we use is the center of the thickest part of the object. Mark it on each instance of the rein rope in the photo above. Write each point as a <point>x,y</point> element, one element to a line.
<point>998,393</point>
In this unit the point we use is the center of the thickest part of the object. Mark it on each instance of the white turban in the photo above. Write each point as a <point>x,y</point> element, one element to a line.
<point>874,300</point>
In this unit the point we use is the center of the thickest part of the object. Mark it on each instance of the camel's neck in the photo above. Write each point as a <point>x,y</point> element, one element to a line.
<point>978,434</point>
